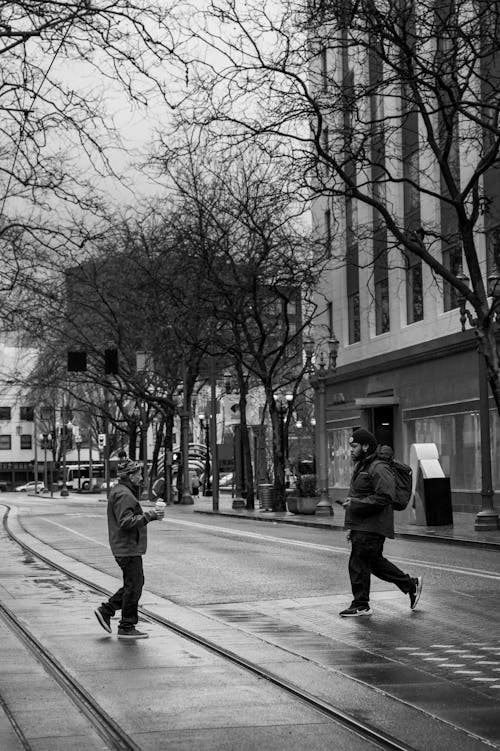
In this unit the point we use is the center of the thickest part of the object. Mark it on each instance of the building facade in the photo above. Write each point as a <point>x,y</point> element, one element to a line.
<point>405,368</point>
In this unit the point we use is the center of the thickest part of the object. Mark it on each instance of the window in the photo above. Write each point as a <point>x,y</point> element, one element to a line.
<point>326,140</point>
<point>492,250</point>
<point>26,413</point>
<point>458,439</point>
<point>329,314</point>
<point>340,467</point>
<point>411,201</point>
<point>414,294</point>
<point>328,232</point>
<point>452,259</point>
<point>324,69</point>
<point>382,319</point>
<point>5,442</point>
<point>4,413</point>
<point>26,441</point>
<point>354,318</point>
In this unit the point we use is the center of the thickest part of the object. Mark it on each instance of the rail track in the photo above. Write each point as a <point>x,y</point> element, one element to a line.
<point>113,735</point>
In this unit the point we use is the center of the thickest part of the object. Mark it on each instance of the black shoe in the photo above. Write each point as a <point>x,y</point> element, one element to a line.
<point>131,633</point>
<point>354,610</point>
<point>104,620</point>
<point>416,591</point>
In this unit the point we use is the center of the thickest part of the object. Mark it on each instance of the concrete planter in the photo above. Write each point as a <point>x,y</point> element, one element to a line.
<point>302,504</point>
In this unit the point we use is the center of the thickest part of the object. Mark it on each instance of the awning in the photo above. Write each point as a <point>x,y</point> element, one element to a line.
<point>376,401</point>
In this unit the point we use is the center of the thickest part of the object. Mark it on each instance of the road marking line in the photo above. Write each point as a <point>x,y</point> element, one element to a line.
<point>480,573</point>
<point>74,532</point>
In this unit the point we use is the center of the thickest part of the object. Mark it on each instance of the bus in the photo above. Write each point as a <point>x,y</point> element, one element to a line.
<point>82,471</point>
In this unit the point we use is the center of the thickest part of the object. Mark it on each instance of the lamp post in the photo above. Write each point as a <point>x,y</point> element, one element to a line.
<point>78,444</point>
<point>318,377</point>
<point>205,428</point>
<point>64,430</point>
<point>487,518</point>
<point>283,405</point>
<point>43,440</point>
<point>186,498</point>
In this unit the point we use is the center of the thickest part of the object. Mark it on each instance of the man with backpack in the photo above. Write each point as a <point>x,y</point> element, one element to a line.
<point>370,519</point>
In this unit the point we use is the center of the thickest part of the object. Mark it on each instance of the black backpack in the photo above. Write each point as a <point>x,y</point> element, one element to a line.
<point>402,477</point>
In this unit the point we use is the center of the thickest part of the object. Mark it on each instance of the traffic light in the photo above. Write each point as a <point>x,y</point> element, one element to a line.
<point>77,362</point>
<point>101,441</point>
<point>111,361</point>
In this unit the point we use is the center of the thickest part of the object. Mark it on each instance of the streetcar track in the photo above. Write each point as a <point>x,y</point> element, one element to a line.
<point>112,733</point>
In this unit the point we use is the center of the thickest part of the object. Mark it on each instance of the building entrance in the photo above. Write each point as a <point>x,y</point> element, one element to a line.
<point>382,424</point>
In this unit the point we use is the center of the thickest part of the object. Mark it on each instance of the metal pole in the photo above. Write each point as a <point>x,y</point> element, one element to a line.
<point>208,484</point>
<point>213,436</point>
<point>45,476</point>
<point>324,506</point>
<point>187,498</point>
<point>64,489</point>
<point>78,460</point>
<point>91,478</point>
<point>144,439</point>
<point>487,518</point>
<point>52,445</point>
<point>35,438</point>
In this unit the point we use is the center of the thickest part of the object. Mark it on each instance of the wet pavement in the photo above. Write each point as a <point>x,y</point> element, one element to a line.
<point>461,532</point>
<point>416,685</point>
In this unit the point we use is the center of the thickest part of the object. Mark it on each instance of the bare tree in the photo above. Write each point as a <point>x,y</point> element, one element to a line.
<point>338,82</point>
<point>255,251</point>
<point>57,132</point>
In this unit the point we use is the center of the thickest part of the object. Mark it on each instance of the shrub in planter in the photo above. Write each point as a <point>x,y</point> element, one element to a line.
<point>306,485</point>
<point>305,498</point>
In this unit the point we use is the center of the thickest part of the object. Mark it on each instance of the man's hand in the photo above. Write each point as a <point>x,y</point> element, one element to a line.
<point>152,515</point>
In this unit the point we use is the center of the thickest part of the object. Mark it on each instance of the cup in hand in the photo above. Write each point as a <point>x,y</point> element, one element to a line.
<point>160,509</point>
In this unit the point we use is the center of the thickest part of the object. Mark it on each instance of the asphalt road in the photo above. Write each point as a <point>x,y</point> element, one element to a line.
<point>287,584</point>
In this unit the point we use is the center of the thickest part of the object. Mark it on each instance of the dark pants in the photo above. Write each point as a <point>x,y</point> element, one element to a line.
<point>127,597</point>
<point>366,559</point>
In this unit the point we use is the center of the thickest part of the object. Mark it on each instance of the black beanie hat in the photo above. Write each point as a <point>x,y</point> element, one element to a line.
<point>362,436</point>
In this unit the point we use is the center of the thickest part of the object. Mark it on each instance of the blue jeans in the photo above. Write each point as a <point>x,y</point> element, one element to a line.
<point>366,559</point>
<point>127,597</point>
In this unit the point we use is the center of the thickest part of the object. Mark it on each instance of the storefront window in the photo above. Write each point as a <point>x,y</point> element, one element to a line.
<point>458,442</point>
<point>340,465</point>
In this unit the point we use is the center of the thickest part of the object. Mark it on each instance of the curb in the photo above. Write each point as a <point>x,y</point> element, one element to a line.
<point>443,539</point>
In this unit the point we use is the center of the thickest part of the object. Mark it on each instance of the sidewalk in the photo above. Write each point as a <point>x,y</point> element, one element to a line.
<point>461,533</point>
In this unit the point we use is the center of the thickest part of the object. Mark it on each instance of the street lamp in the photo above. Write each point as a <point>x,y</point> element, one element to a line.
<point>205,427</point>
<point>318,377</point>
<point>487,518</point>
<point>66,429</point>
<point>283,404</point>
<point>44,439</point>
<point>78,444</point>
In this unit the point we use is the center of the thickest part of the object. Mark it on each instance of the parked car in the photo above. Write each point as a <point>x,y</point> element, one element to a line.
<point>31,487</point>
<point>3,487</point>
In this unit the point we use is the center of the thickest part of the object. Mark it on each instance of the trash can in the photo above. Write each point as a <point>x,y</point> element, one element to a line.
<point>437,501</point>
<point>266,496</point>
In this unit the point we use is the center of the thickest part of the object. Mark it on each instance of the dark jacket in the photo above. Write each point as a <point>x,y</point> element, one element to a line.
<point>126,521</point>
<point>371,492</point>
